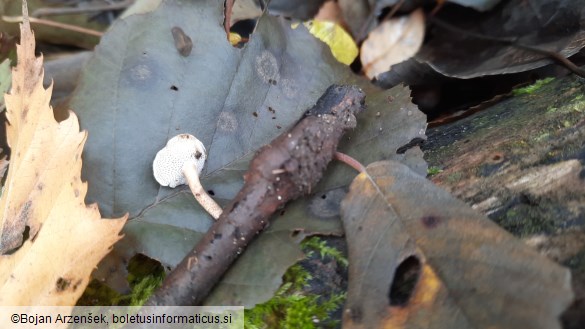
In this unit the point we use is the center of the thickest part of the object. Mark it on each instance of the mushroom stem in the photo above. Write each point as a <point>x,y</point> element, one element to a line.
<point>190,171</point>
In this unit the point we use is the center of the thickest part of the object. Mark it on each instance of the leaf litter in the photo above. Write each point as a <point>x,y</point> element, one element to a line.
<point>138,91</point>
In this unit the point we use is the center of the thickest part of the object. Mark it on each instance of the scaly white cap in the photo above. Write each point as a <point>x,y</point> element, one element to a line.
<point>168,163</point>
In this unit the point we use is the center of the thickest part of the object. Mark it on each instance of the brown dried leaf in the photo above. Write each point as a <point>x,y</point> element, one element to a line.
<point>44,193</point>
<point>392,42</point>
<point>421,259</point>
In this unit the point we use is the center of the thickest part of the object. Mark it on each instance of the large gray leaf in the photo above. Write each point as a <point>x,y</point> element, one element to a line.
<point>138,91</point>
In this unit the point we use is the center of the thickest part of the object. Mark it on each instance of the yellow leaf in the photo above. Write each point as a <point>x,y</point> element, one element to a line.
<point>44,192</point>
<point>392,42</point>
<point>341,44</point>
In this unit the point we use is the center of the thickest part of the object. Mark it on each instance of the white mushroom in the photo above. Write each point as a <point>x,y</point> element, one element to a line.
<point>180,162</point>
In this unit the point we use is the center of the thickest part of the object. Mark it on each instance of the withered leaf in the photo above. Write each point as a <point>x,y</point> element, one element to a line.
<point>392,42</point>
<point>421,259</point>
<point>44,193</point>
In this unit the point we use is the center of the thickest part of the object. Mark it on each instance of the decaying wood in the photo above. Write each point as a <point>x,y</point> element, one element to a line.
<point>521,162</point>
<point>289,167</point>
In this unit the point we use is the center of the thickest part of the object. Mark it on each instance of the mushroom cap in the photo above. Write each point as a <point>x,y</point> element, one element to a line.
<point>168,163</point>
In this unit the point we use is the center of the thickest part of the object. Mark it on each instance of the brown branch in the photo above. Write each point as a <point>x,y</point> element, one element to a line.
<point>289,167</point>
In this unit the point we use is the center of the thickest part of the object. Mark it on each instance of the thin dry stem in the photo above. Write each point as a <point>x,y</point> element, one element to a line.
<point>190,172</point>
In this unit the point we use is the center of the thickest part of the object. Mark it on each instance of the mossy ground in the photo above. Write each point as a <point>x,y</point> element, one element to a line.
<point>293,306</point>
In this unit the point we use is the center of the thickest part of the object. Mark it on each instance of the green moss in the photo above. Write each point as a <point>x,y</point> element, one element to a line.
<point>145,275</point>
<point>532,88</point>
<point>291,307</point>
<point>315,244</point>
<point>431,171</point>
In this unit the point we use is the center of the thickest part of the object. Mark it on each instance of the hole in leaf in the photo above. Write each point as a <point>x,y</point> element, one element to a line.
<point>405,279</point>
<point>173,87</point>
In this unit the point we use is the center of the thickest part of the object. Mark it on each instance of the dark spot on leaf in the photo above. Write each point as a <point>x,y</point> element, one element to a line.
<point>210,192</point>
<point>40,186</point>
<point>76,193</point>
<point>183,42</point>
<point>295,233</point>
<point>270,109</point>
<point>24,113</point>
<point>390,99</point>
<point>404,282</point>
<point>217,236</point>
<point>273,118</point>
<point>360,228</point>
<point>255,114</point>
<point>62,284</point>
<point>278,127</point>
<point>198,155</point>
<point>430,221</point>
<point>237,233</point>
<point>77,284</point>
<point>208,257</point>
<point>173,87</point>
<point>328,204</point>
<point>282,213</point>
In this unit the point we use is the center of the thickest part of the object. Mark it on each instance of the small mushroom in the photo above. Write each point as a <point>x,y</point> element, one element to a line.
<point>180,162</point>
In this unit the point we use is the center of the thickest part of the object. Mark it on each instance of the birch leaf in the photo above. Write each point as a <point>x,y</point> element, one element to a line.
<point>43,199</point>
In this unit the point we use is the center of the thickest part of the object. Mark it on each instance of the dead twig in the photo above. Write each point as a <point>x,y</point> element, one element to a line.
<point>289,167</point>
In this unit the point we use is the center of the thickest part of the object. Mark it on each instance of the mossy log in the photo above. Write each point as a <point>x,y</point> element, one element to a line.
<point>522,163</point>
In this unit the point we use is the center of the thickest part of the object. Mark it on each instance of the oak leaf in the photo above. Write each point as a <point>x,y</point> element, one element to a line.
<point>420,258</point>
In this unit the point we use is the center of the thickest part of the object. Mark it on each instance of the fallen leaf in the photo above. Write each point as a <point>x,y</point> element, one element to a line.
<point>392,42</point>
<point>43,199</point>
<point>341,44</point>
<point>420,258</point>
<point>361,15</point>
<point>11,10</point>
<point>552,25</point>
<point>233,100</point>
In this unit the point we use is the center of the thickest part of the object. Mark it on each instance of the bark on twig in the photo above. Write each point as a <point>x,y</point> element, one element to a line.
<point>289,167</point>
